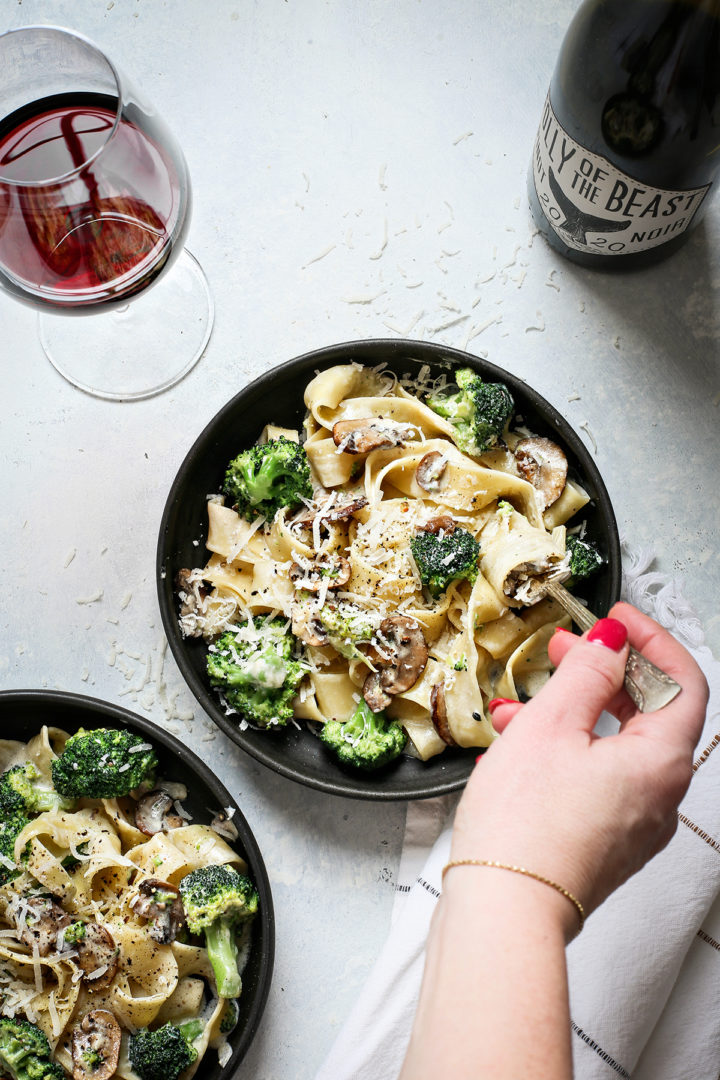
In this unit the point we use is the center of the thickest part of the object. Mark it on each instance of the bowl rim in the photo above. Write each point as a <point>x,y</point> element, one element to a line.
<point>84,703</point>
<point>317,360</point>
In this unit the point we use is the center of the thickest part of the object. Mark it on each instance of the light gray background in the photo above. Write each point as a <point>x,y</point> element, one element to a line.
<point>359,171</point>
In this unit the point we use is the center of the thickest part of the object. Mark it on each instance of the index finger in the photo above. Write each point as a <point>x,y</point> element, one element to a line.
<point>687,711</point>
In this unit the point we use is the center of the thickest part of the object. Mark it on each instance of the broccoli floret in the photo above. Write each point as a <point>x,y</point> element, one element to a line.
<point>166,1052</point>
<point>585,559</point>
<point>11,826</point>
<point>478,411</point>
<point>346,625</point>
<point>74,933</point>
<point>256,671</point>
<point>217,900</point>
<point>367,740</point>
<point>103,764</point>
<point>25,1052</point>
<point>22,788</point>
<point>267,477</point>
<point>445,555</point>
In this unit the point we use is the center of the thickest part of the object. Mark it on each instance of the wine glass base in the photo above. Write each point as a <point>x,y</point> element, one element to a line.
<point>138,350</point>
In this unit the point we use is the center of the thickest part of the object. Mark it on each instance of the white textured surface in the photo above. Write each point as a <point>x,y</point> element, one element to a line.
<point>359,171</point>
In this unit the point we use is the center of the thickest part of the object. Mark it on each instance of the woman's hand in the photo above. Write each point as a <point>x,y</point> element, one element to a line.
<point>584,811</point>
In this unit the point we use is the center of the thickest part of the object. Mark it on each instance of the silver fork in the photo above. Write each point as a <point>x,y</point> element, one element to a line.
<point>648,686</point>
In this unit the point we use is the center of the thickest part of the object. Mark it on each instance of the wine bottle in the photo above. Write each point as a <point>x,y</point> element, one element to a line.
<point>627,154</point>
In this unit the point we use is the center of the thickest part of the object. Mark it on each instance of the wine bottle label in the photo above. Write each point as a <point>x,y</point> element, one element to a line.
<point>595,208</point>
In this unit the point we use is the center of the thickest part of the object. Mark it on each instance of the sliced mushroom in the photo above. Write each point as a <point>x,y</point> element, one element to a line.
<point>192,592</point>
<point>376,698</point>
<point>96,1046</point>
<point>430,471</point>
<point>362,436</point>
<point>223,825</point>
<point>154,813</point>
<point>331,570</point>
<point>159,902</point>
<point>438,713</point>
<point>344,511</point>
<point>97,957</point>
<point>38,921</point>
<point>338,511</point>
<point>410,653</point>
<point>306,626</point>
<point>399,657</point>
<point>543,463</point>
<point>443,523</point>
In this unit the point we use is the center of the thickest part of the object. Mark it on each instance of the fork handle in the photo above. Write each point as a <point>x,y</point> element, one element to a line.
<point>648,686</point>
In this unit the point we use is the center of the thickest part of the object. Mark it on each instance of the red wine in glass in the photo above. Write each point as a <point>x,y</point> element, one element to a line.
<point>103,237</point>
<point>94,208</point>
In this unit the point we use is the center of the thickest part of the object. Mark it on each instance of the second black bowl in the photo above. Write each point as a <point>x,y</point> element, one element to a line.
<point>23,713</point>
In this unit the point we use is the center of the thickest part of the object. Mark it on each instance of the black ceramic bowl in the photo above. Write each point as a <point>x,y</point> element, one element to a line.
<point>22,714</point>
<point>277,397</point>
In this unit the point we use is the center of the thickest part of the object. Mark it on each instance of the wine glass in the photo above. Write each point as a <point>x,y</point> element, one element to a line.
<point>94,209</point>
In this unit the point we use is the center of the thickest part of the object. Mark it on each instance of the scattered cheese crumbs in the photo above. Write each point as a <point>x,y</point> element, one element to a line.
<point>69,558</point>
<point>90,599</point>
<point>407,330</point>
<point>318,258</point>
<point>85,675</point>
<point>125,601</point>
<point>450,322</point>
<point>550,283</point>
<point>585,427</point>
<point>461,138</point>
<point>574,396</point>
<point>181,811</point>
<point>37,968</point>
<point>381,178</point>
<point>139,748</point>
<point>97,972</point>
<point>383,244</point>
<point>367,298</point>
<point>484,326</point>
<point>306,178</point>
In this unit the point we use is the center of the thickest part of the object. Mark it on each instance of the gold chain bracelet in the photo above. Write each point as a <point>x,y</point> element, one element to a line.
<point>520,870</point>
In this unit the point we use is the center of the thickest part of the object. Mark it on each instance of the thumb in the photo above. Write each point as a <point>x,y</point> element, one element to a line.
<point>590,675</point>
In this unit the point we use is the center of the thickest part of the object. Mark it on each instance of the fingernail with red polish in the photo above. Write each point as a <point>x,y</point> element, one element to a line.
<point>609,632</point>
<point>496,702</point>
<point>479,758</point>
<point>561,630</point>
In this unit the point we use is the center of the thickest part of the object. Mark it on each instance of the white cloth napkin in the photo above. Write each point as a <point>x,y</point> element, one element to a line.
<point>644,973</point>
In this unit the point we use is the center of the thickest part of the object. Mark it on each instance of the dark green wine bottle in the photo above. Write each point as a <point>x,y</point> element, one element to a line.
<point>627,154</point>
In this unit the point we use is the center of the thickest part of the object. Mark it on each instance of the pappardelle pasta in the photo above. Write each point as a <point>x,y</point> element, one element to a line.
<point>102,971</point>
<point>402,578</point>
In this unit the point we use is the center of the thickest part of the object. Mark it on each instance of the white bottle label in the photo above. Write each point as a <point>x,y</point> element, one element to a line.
<point>595,208</point>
